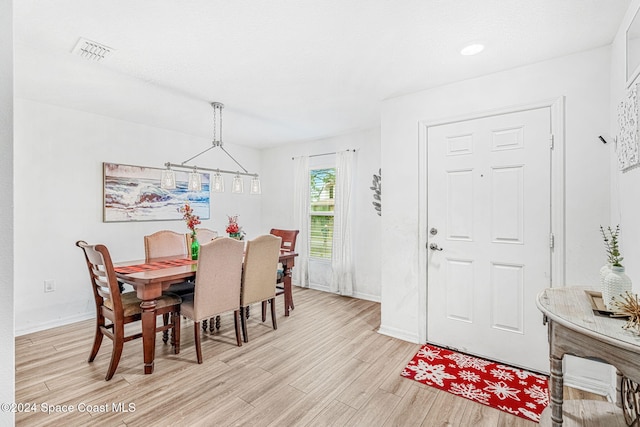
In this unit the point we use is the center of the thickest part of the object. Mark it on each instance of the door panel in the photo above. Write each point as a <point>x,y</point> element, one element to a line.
<point>488,195</point>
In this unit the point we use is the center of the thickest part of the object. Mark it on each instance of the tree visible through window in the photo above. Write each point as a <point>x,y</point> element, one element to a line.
<point>322,191</point>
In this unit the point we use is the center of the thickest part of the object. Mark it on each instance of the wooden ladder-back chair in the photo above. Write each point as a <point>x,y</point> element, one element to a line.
<point>217,286</point>
<point>121,308</point>
<point>288,245</point>
<point>259,277</point>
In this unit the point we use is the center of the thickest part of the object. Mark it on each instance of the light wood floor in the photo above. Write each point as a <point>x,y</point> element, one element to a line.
<point>324,365</point>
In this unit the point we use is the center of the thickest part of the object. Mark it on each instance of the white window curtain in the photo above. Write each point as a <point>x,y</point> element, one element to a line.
<point>341,262</point>
<point>301,220</point>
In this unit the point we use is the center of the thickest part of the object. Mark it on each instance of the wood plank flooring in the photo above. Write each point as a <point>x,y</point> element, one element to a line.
<point>325,365</point>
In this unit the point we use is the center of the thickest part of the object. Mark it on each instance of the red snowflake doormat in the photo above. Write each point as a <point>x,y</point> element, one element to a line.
<point>503,387</point>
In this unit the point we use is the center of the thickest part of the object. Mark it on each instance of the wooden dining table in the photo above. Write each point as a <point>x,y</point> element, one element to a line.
<point>152,276</point>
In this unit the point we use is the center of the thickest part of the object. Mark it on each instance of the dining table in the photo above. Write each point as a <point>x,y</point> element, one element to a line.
<point>152,276</point>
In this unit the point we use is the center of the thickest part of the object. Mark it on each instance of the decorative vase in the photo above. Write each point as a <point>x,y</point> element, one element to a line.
<point>235,236</point>
<point>604,270</point>
<point>195,246</point>
<point>616,283</point>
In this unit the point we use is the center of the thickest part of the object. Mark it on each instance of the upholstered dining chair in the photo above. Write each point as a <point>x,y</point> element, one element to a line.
<point>217,288</point>
<point>204,235</point>
<point>288,244</point>
<point>121,308</point>
<point>259,277</point>
<point>167,243</point>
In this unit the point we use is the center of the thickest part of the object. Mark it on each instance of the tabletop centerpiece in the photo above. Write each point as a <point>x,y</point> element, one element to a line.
<point>192,221</point>
<point>615,283</point>
<point>234,230</point>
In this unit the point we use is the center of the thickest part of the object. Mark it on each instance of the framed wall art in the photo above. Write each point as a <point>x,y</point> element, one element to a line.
<point>627,142</point>
<point>133,193</point>
<point>632,40</point>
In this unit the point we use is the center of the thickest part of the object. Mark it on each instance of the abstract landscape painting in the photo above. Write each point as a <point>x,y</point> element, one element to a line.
<point>133,193</point>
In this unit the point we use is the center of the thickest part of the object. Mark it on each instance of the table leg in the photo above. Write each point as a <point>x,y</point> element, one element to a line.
<point>556,391</point>
<point>286,283</point>
<point>148,333</point>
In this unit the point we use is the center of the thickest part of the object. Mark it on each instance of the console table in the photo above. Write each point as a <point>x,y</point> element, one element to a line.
<point>575,329</point>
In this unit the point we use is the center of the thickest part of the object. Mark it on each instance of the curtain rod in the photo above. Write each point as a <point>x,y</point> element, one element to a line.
<point>327,154</point>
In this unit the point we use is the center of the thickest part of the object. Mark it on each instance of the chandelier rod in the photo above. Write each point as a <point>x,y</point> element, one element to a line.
<point>181,166</point>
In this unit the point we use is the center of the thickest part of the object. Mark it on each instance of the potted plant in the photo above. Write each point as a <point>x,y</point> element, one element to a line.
<point>613,280</point>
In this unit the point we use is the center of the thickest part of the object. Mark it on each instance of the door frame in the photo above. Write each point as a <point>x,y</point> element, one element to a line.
<point>557,213</point>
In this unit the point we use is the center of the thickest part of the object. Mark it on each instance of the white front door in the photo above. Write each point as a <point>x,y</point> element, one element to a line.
<point>488,216</point>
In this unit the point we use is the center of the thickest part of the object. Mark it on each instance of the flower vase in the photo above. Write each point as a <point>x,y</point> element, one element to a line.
<point>235,236</point>
<point>195,247</point>
<point>604,270</point>
<point>616,284</point>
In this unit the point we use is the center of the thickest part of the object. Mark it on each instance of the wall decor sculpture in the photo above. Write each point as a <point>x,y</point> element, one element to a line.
<point>377,192</point>
<point>133,193</point>
<point>627,147</point>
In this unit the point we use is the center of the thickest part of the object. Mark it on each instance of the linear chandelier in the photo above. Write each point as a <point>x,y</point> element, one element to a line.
<point>168,179</point>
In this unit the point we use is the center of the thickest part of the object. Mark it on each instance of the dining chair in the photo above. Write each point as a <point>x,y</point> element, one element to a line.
<point>204,235</point>
<point>259,276</point>
<point>121,308</point>
<point>167,243</point>
<point>289,245</point>
<point>217,288</point>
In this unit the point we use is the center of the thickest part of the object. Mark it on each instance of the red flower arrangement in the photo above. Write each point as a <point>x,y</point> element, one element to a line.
<point>191,219</point>
<point>233,228</point>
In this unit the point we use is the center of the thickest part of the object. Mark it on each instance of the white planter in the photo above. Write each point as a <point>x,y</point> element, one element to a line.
<point>604,270</point>
<point>615,285</point>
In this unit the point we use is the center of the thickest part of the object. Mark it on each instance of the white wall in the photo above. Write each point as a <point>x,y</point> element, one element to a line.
<point>58,188</point>
<point>625,203</point>
<point>583,79</point>
<point>7,349</point>
<point>277,207</point>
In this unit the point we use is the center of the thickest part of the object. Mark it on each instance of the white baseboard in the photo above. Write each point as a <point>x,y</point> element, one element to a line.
<point>55,323</point>
<point>359,295</point>
<point>399,334</point>
<point>590,375</point>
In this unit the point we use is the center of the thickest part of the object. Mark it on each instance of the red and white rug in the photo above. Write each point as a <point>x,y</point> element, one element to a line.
<point>503,387</point>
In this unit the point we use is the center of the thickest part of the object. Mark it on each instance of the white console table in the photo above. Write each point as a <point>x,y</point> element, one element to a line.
<point>576,330</point>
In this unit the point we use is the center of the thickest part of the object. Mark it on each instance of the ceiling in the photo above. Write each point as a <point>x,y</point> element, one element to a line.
<point>297,70</point>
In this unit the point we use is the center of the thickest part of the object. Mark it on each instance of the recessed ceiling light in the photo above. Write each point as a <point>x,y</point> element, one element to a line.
<point>472,49</point>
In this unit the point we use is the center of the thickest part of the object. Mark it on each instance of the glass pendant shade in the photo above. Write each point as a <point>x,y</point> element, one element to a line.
<point>168,179</point>
<point>217,183</point>
<point>238,185</point>
<point>255,186</point>
<point>195,181</point>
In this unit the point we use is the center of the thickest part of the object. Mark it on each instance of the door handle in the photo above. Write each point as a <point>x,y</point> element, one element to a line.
<point>434,247</point>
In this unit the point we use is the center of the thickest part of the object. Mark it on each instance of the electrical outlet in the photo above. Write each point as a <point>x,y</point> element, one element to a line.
<point>49,285</point>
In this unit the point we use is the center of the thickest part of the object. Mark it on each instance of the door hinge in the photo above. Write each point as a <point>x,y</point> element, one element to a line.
<point>551,240</point>
<point>551,141</point>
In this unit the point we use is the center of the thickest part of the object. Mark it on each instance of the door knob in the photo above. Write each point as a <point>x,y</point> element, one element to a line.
<point>434,247</point>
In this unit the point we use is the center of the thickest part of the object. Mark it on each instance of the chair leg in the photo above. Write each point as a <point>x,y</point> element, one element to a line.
<point>243,320</point>
<point>175,332</point>
<point>236,322</point>
<point>196,334</point>
<point>118,343</point>
<point>264,311</point>
<point>97,340</point>
<point>273,312</point>
<point>165,333</point>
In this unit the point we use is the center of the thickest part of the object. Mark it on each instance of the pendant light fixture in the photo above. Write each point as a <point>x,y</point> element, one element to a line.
<point>168,179</point>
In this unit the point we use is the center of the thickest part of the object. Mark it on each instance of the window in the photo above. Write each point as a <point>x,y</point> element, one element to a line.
<point>322,189</point>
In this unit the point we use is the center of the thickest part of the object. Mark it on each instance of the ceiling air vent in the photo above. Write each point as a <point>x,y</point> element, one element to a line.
<point>91,50</point>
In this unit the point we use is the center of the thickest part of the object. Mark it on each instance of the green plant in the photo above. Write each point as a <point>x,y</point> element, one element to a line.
<point>611,245</point>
